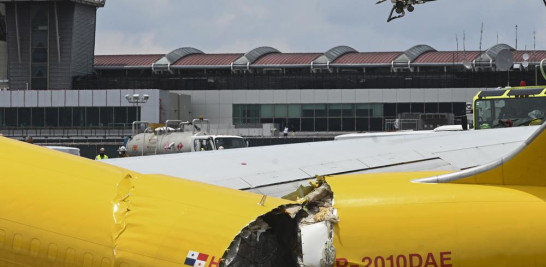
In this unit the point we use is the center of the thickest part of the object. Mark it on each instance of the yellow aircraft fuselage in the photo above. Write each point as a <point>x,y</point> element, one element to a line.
<point>386,221</point>
<point>61,210</point>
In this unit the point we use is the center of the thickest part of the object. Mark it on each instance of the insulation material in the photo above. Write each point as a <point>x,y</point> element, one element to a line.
<point>292,235</point>
<point>314,240</point>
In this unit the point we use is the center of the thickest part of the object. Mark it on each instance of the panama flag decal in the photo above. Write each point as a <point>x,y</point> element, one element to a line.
<point>196,259</point>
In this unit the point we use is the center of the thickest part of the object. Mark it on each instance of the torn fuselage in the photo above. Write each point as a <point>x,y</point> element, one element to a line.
<point>292,235</point>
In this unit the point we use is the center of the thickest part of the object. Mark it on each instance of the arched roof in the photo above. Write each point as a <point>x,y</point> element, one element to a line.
<point>413,53</point>
<point>196,60</point>
<point>177,54</point>
<point>171,58</point>
<point>489,57</point>
<point>495,50</point>
<point>254,54</point>
<point>333,54</point>
<point>491,53</point>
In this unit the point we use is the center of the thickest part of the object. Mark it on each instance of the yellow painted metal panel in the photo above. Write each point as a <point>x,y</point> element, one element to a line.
<point>187,216</point>
<point>525,168</point>
<point>494,176</point>
<point>385,217</point>
<point>62,210</point>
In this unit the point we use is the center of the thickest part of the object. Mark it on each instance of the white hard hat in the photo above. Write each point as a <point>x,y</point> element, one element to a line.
<point>122,148</point>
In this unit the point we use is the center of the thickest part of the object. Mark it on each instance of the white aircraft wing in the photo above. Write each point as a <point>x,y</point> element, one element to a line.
<point>280,169</point>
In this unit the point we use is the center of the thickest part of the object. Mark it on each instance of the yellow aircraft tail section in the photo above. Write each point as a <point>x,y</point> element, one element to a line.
<point>521,167</point>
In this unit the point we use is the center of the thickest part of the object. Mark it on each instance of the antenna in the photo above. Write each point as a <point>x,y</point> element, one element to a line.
<point>497,37</point>
<point>457,40</point>
<point>481,35</point>
<point>516,37</point>
<point>535,41</point>
<point>464,41</point>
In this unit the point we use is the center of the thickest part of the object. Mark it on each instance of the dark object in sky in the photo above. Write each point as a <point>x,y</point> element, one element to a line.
<point>400,7</point>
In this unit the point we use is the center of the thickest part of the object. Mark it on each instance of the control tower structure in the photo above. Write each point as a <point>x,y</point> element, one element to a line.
<point>45,43</point>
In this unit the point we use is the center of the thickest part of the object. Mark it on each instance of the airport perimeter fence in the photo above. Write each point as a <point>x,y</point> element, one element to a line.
<point>312,81</point>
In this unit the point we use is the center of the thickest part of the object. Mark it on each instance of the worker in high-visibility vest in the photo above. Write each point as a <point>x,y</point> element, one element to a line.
<point>101,154</point>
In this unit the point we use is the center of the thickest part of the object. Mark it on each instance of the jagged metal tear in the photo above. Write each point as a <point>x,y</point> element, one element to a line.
<point>121,208</point>
<point>293,235</point>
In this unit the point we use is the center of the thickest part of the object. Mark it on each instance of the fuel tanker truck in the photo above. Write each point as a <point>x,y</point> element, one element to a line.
<point>178,137</point>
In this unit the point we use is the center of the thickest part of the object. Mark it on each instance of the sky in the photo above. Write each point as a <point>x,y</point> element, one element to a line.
<point>301,26</point>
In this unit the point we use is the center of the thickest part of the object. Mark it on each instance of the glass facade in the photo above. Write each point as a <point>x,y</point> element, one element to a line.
<point>337,116</point>
<point>90,117</point>
<point>39,36</point>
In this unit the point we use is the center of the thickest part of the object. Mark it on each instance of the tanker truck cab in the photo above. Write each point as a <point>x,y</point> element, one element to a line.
<point>203,143</point>
<point>228,142</point>
<point>217,142</point>
<point>510,107</point>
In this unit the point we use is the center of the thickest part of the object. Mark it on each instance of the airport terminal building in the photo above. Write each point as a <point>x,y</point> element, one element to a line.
<point>52,84</point>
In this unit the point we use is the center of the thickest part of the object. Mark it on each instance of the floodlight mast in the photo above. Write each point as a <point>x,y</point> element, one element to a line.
<point>137,100</point>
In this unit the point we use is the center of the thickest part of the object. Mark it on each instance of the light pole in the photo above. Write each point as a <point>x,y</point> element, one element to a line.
<point>136,100</point>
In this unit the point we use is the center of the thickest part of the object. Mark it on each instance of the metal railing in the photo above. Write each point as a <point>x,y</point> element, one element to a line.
<point>60,133</point>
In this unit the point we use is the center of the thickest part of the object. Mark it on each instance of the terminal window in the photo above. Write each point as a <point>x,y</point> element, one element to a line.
<point>335,116</point>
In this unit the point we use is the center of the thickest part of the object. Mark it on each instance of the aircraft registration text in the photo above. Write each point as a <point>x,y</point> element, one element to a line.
<point>441,259</point>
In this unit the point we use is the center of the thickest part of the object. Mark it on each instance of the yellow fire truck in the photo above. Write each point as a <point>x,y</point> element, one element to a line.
<point>510,107</point>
